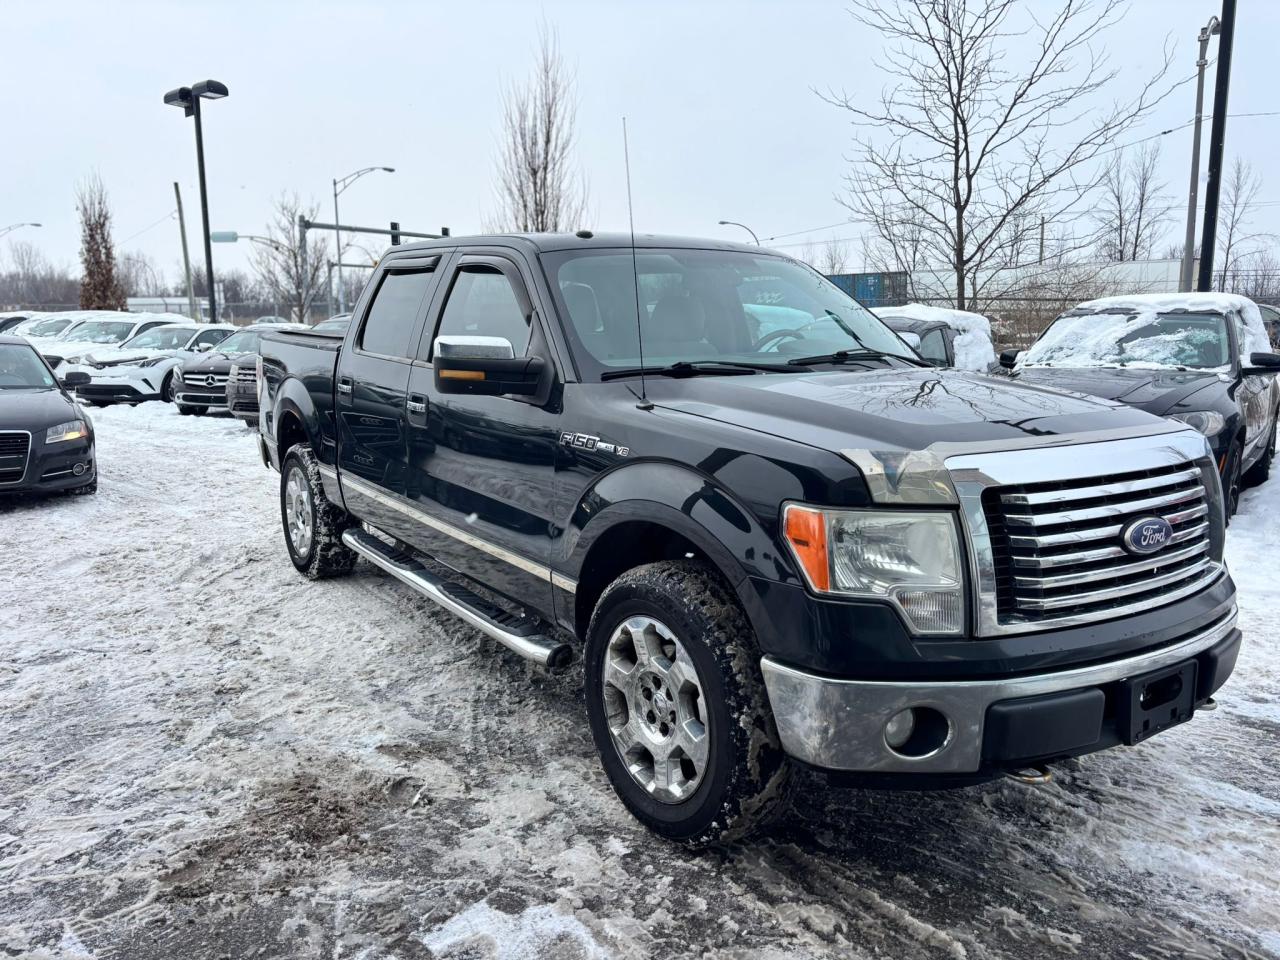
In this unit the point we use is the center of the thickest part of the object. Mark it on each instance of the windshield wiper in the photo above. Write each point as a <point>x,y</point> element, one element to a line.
<point>700,368</point>
<point>842,356</point>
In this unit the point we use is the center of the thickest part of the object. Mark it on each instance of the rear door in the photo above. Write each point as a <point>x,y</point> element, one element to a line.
<point>371,380</point>
<point>481,469</point>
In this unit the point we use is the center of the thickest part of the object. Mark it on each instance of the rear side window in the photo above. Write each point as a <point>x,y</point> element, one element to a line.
<point>393,313</point>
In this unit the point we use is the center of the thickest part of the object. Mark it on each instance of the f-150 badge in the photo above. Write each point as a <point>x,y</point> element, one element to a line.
<point>586,442</point>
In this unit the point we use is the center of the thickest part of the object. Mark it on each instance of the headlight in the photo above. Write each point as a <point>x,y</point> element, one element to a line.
<point>71,430</point>
<point>177,374</point>
<point>1208,422</point>
<point>911,558</point>
<point>149,362</point>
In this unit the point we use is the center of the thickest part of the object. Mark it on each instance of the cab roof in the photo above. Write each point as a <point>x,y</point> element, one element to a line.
<point>554,242</point>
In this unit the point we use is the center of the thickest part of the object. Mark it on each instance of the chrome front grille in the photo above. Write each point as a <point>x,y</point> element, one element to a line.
<point>15,448</point>
<point>1057,545</point>
<point>246,375</point>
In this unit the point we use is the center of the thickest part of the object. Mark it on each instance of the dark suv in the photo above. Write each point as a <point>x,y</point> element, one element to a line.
<point>200,384</point>
<point>772,533</point>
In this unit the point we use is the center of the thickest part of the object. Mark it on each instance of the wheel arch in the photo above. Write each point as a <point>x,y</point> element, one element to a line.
<point>657,511</point>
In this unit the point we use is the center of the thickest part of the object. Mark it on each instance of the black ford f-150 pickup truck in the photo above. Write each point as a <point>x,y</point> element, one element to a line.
<point>774,533</point>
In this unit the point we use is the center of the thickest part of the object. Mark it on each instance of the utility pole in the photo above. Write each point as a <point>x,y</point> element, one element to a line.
<point>1217,140</point>
<point>1189,246</point>
<point>186,258</point>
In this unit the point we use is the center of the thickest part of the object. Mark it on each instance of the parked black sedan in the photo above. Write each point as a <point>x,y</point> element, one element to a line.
<point>46,440</point>
<point>1199,358</point>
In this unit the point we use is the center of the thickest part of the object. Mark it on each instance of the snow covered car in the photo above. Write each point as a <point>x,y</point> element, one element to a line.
<point>97,329</point>
<point>46,441</point>
<point>1201,358</point>
<point>944,337</point>
<point>201,382</point>
<point>142,367</point>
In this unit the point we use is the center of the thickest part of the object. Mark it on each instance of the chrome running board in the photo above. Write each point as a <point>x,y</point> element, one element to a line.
<point>518,634</point>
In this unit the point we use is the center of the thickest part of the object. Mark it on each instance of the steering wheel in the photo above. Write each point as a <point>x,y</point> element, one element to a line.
<point>773,335</point>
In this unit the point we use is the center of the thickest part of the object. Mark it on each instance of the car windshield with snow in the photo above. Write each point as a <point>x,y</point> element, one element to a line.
<point>770,530</point>
<point>1202,359</point>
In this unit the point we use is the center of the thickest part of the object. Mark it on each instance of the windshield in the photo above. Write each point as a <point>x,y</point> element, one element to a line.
<point>21,368</point>
<point>1154,340</point>
<point>160,338</point>
<point>706,305</point>
<point>332,326</point>
<point>46,328</point>
<point>102,331</point>
<point>246,341</point>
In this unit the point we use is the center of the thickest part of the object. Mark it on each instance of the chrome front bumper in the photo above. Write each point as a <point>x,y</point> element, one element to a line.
<point>839,724</point>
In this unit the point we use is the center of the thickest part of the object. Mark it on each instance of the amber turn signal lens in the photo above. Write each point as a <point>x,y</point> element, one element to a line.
<point>462,374</point>
<point>806,531</point>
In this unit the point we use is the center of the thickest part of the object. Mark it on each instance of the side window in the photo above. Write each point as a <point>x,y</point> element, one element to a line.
<point>148,326</point>
<point>933,347</point>
<point>482,303</point>
<point>212,337</point>
<point>389,321</point>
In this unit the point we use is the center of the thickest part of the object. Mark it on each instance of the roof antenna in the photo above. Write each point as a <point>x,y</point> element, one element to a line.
<point>644,403</point>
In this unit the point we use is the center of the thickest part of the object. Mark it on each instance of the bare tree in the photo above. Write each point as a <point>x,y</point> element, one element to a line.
<point>139,276</point>
<point>539,188</point>
<point>291,273</point>
<point>1132,208</point>
<point>27,279</point>
<point>834,258</point>
<point>1239,194</point>
<point>100,287</point>
<point>994,115</point>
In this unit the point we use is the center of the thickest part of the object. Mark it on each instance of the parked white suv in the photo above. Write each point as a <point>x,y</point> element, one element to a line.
<point>93,331</point>
<point>142,367</point>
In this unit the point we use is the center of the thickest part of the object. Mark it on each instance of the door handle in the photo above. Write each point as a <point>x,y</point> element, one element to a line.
<point>416,404</point>
<point>344,384</point>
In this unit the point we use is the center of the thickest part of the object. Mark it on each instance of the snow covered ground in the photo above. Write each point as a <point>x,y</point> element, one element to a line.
<point>204,755</point>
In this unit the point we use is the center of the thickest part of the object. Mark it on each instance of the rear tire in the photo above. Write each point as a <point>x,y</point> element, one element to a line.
<point>1260,472</point>
<point>312,524</point>
<point>677,705</point>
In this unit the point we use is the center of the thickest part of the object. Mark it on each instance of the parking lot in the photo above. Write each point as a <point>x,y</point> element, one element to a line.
<point>202,754</point>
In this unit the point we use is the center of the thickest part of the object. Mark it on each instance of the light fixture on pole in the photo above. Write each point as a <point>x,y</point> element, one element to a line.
<point>735,223</point>
<point>14,226</point>
<point>231,236</point>
<point>339,186</point>
<point>188,98</point>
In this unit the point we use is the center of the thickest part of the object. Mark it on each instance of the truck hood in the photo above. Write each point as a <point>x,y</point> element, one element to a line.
<point>1155,391</point>
<point>902,409</point>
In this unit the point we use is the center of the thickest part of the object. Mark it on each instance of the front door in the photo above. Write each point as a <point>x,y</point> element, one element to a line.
<point>372,378</point>
<point>482,468</point>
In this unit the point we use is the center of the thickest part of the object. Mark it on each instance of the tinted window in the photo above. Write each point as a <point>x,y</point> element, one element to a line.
<point>933,347</point>
<point>21,369</point>
<point>391,316</point>
<point>483,304</point>
<point>211,336</point>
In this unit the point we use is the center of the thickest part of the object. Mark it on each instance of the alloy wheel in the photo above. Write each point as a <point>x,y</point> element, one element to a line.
<point>297,511</point>
<point>655,709</point>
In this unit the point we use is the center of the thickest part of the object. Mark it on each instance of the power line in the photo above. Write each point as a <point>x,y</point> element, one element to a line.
<point>167,216</point>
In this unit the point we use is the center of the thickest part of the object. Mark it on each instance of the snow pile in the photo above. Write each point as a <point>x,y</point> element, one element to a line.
<point>973,332</point>
<point>1092,340</point>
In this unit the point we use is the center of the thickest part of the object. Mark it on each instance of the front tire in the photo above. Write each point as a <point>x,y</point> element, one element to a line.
<point>312,524</point>
<point>168,389</point>
<point>677,705</point>
<point>1231,480</point>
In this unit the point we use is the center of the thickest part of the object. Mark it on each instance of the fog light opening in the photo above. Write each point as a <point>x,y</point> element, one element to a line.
<point>917,732</point>
<point>78,469</point>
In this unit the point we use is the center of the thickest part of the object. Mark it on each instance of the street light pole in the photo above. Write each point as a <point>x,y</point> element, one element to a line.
<point>735,223</point>
<point>1188,250</point>
<point>339,185</point>
<point>4,231</point>
<point>189,99</point>
<point>1217,139</point>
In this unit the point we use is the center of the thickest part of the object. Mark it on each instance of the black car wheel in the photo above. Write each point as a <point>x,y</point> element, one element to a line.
<point>168,389</point>
<point>677,706</point>
<point>1261,470</point>
<point>312,524</point>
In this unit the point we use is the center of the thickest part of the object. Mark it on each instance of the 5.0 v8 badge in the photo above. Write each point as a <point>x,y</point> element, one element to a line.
<point>586,442</point>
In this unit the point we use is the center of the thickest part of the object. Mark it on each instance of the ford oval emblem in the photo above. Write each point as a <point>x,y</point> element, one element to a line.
<point>1146,535</point>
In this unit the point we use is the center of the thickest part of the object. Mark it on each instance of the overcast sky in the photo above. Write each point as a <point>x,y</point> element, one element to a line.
<point>719,97</point>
